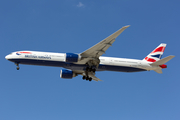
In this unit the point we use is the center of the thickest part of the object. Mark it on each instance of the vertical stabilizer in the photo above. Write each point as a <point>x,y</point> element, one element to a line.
<point>156,54</point>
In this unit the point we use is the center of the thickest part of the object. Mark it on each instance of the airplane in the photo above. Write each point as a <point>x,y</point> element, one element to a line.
<point>91,60</point>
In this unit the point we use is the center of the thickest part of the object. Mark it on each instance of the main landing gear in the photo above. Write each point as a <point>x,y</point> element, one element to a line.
<point>17,64</point>
<point>87,78</point>
<point>88,69</point>
<point>91,69</point>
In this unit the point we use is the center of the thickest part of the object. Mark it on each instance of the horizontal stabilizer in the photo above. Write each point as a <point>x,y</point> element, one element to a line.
<point>163,61</point>
<point>158,71</point>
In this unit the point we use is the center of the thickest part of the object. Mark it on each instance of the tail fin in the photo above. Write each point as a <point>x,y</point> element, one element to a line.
<point>156,54</point>
<point>154,58</point>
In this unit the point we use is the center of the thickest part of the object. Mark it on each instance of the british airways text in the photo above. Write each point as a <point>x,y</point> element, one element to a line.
<point>34,56</point>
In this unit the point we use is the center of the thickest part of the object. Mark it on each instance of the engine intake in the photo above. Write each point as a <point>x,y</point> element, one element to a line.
<point>71,57</point>
<point>68,74</point>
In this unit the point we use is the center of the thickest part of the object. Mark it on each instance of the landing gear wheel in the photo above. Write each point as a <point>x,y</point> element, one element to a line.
<point>17,64</point>
<point>87,78</point>
<point>17,68</point>
<point>84,77</point>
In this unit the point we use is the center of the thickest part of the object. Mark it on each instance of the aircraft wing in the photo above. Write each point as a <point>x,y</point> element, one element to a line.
<point>100,48</point>
<point>91,56</point>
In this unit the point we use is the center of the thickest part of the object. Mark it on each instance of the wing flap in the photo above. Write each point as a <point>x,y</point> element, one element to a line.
<point>92,75</point>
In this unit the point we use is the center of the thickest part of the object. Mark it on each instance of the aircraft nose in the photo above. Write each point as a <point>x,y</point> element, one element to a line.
<point>7,57</point>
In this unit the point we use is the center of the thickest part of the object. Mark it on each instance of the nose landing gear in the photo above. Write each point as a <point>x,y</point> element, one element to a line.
<point>17,64</point>
<point>17,68</point>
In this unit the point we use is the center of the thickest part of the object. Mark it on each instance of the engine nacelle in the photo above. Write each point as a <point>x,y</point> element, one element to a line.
<point>71,57</point>
<point>68,74</point>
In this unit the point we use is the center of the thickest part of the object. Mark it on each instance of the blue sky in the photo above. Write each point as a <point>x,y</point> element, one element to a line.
<point>38,93</point>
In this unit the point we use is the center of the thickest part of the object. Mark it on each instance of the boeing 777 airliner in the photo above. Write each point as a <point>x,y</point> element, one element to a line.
<point>91,60</point>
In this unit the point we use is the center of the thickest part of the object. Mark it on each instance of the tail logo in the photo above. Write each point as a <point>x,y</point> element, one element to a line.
<point>150,59</point>
<point>159,49</point>
<point>156,54</point>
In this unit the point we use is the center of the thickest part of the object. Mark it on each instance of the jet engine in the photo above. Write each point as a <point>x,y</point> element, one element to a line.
<point>68,74</point>
<point>71,57</point>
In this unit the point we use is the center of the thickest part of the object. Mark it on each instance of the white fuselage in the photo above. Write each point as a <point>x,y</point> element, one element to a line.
<point>59,60</point>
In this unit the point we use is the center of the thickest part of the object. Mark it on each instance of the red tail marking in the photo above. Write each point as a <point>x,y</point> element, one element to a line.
<point>159,49</point>
<point>150,59</point>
